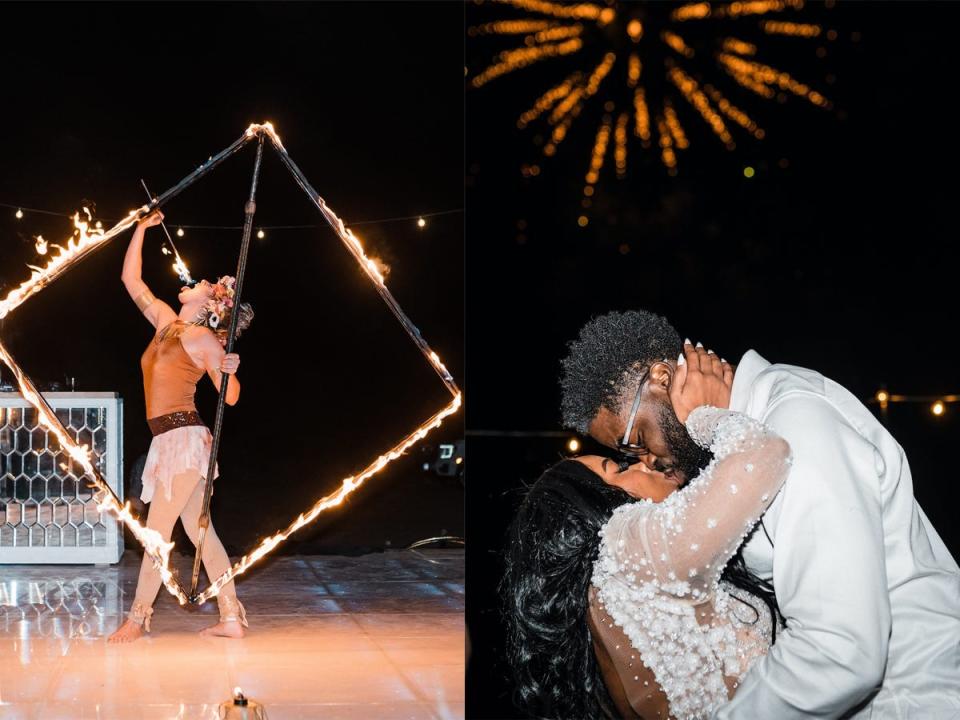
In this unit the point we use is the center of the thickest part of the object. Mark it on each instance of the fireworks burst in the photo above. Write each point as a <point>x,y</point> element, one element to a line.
<point>648,63</point>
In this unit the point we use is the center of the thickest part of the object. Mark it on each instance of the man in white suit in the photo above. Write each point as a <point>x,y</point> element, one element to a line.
<point>869,591</point>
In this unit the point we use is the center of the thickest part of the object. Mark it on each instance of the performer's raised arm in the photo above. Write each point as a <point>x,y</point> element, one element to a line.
<point>156,311</point>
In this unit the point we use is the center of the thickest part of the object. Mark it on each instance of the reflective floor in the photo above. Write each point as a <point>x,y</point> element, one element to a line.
<point>376,636</point>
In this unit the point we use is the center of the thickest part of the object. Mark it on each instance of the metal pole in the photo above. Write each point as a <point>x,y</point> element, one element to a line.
<point>166,232</point>
<point>206,167</point>
<point>387,296</point>
<point>97,480</point>
<point>249,210</point>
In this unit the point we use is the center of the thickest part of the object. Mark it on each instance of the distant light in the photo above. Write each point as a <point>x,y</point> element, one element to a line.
<point>748,172</point>
<point>180,232</point>
<point>882,396</point>
<point>19,214</point>
<point>421,223</point>
<point>426,466</point>
<point>937,408</point>
<point>459,461</point>
<point>573,445</point>
<point>582,221</point>
<point>261,234</point>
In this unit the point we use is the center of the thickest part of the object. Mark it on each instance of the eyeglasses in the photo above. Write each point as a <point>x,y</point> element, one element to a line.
<point>625,447</point>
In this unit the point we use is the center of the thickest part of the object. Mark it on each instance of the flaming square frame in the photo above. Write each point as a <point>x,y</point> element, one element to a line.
<point>88,241</point>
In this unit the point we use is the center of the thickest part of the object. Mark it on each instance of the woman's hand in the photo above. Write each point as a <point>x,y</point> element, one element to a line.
<point>154,218</point>
<point>702,378</point>
<point>230,363</point>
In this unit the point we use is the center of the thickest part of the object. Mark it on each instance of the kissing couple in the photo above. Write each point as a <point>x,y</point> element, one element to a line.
<point>749,548</point>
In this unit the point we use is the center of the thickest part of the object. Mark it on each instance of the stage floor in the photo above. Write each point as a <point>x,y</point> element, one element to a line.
<point>376,636</point>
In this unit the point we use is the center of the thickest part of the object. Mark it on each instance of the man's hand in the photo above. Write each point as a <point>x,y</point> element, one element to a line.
<point>702,378</point>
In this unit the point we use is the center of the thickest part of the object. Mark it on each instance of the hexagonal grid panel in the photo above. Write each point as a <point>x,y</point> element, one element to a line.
<point>47,511</point>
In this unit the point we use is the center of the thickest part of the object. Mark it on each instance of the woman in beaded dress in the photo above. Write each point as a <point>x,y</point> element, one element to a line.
<point>183,349</point>
<point>615,602</point>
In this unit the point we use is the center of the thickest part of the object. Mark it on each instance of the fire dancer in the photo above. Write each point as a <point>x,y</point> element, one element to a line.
<point>186,345</point>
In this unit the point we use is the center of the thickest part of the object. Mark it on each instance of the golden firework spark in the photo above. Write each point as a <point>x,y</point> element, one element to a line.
<point>674,39</point>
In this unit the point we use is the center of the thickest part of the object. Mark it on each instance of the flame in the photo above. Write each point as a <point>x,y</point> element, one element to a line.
<point>41,245</point>
<point>382,268</point>
<point>181,269</point>
<point>369,265</point>
<point>347,487</point>
<point>153,543</point>
<point>83,241</point>
<point>267,128</point>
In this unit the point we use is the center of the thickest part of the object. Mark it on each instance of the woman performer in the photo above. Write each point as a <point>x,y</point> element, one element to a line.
<point>184,347</point>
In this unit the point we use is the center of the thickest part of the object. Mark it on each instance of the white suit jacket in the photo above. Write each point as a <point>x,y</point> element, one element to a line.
<point>870,592</point>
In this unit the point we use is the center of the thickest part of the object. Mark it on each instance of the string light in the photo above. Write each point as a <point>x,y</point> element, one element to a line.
<point>19,214</point>
<point>261,234</point>
<point>376,221</point>
<point>421,223</point>
<point>180,232</point>
<point>937,404</point>
<point>573,445</point>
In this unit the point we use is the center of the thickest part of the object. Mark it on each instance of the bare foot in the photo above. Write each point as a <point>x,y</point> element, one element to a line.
<point>231,629</point>
<point>128,632</point>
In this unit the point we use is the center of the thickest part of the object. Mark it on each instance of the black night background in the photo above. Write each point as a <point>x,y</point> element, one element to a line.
<point>367,99</point>
<point>838,253</point>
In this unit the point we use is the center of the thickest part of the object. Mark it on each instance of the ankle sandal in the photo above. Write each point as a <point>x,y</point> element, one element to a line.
<point>232,610</point>
<point>140,614</point>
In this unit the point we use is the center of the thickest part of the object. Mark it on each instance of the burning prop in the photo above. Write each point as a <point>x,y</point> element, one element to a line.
<point>87,239</point>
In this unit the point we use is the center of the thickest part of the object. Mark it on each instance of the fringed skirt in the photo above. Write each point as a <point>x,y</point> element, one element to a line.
<point>174,452</point>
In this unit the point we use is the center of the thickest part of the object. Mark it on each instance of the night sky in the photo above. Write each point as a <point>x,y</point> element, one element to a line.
<point>839,254</point>
<point>368,100</point>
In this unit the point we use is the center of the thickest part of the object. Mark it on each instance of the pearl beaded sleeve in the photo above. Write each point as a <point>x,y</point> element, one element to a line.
<point>660,563</point>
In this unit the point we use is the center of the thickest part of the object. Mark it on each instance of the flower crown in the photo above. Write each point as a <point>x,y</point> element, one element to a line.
<point>221,304</point>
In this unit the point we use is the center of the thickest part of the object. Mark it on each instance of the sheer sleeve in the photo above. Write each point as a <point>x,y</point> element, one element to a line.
<point>682,544</point>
